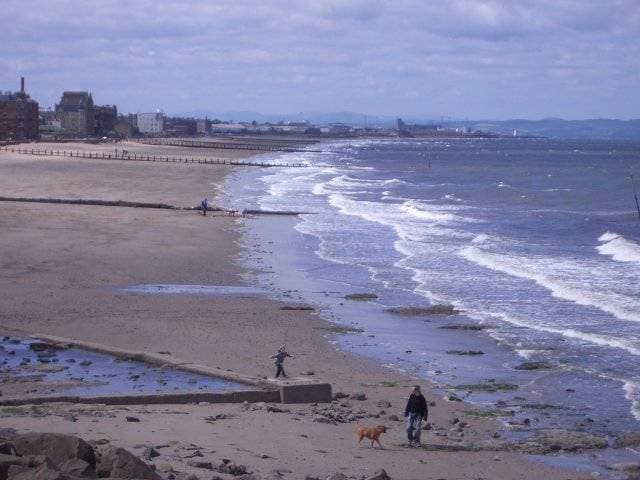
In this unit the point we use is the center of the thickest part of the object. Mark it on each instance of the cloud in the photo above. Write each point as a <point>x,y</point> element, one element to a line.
<point>375,56</point>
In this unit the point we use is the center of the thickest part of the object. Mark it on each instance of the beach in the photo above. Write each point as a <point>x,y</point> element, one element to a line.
<point>66,270</point>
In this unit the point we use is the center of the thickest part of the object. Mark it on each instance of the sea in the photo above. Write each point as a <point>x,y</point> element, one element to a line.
<point>535,242</point>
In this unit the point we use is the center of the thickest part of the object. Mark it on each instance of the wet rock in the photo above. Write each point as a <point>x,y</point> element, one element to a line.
<point>419,311</point>
<point>340,395</point>
<point>85,363</point>
<point>534,366</point>
<point>453,398</point>
<point>227,467</point>
<point>58,447</point>
<point>361,296</point>
<point>274,409</point>
<point>44,347</point>
<point>464,326</point>
<point>132,419</point>
<point>297,308</point>
<point>358,396</point>
<point>380,475</point>
<point>119,463</point>
<point>78,468</point>
<point>631,468</point>
<point>488,387</point>
<point>627,439</point>
<point>562,440</point>
<point>465,352</point>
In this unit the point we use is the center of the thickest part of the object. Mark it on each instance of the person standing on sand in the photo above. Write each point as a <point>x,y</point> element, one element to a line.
<point>280,356</point>
<point>205,206</point>
<point>415,411</point>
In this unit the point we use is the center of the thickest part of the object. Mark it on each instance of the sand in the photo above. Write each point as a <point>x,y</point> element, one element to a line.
<point>63,271</point>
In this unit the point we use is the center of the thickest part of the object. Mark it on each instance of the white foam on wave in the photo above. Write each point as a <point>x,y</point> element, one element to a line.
<point>547,274</point>
<point>619,248</point>
<point>632,393</point>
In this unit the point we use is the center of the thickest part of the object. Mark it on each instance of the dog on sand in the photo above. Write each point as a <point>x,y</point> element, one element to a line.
<point>371,433</point>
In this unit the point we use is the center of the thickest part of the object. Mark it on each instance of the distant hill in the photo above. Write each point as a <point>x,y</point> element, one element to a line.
<point>609,129</point>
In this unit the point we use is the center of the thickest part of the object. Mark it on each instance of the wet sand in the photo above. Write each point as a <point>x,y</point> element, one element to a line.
<point>63,268</point>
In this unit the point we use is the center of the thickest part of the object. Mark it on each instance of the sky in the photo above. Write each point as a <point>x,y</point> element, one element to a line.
<point>572,59</point>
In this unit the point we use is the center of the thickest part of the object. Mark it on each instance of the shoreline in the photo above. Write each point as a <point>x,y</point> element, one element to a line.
<point>72,294</point>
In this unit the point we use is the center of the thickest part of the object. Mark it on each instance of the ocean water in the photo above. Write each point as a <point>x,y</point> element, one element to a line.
<point>537,240</point>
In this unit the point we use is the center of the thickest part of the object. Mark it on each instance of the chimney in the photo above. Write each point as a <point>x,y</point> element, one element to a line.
<point>21,84</point>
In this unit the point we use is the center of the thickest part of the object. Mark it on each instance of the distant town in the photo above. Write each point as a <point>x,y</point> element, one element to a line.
<point>77,116</point>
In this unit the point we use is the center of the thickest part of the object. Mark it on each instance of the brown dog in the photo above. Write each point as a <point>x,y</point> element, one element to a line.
<point>372,433</point>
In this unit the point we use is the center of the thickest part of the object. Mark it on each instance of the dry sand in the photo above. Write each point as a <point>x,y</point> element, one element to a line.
<point>62,270</point>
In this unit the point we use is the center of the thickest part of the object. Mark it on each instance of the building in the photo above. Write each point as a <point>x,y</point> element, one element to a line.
<point>106,117</point>
<point>76,114</point>
<point>203,126</point>
<point>18,115</point>
<point>150,123</point>
<point>180,126</point>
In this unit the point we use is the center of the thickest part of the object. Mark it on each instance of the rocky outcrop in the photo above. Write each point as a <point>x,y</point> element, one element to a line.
<point>562,440</point>
<point>119,463</point>
<point>57,447</point>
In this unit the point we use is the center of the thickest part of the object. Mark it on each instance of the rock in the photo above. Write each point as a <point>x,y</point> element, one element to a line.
<point>358,396</point>
<point>380,475</point>
<point>149,453</point>
<point>78,468</point>
<point>340,395</point>
<point>627,439</point>
<point>6,461</point>
<point>7,448</point>
<point>337,476</point>
<point>361,296</point>
<point>465,352</point>
<point>566,440</point>
<point>384,404</point>
<point>393,418</point>
<point>322,419</point>
<point>274,409</point>
<point>309,373</point>
<point>58,447</point>
<point>227,467</point>
<point>186,476</point>
<point>119,463</point>
<point>8,433</point>
<point>44,347</point>
<point>627,467</point>
<point>454,398</point>
<point>43,472</point>
<point>534,366</point>
<point>132,419</point>
<point>85,363</point>
<point>247,476</point>
<point>420,311</point>
<point>469,327</point>
<point>200,464</point>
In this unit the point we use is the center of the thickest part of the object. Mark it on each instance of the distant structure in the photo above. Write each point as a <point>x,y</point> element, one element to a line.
<point>76,114</point>
<point>18,115</point>
<point>106,117</point>
<point>405,129</point>
<point>203,126</point>
<point>150,123</point>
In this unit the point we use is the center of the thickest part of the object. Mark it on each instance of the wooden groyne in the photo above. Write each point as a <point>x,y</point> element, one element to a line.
<point>146,158</point>
<point>262,147</point>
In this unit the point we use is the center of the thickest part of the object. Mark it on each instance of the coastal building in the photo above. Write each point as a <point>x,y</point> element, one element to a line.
<point>180,126</point>
<point>18,115</point>
<point>50,125</point>
<point>106,117</point>
<point>150,123</point>
<point>203,126</point>
<point>76,114</point>
<point>405,129</point>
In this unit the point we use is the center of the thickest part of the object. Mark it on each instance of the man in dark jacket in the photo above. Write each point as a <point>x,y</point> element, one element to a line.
<point>416,411</point>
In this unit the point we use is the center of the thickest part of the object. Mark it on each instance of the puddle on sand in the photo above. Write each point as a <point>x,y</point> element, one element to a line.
<point>170,289</point>
<point>36,368</point>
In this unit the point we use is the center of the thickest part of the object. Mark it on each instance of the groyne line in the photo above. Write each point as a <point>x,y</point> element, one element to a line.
<point>128,204</point>
<point>146,158</point>
<point>262,147</point>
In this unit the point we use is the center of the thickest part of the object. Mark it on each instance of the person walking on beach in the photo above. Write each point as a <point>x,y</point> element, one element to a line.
<point>415,411</point>
<point>205,206</point>
<point>280,356</point>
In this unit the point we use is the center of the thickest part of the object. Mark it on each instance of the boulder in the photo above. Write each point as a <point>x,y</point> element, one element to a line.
<point>78,468</point>
<point>46,471</point>
<point>58,447</point>
<point>337,476</point>
<point>358,396</point>
<point>6,461</point>
<point>380,475</point>
<point>627,439</point>
<point>119,463</point>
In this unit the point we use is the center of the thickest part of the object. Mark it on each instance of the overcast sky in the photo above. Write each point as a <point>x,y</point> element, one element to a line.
<point>461,58</point>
